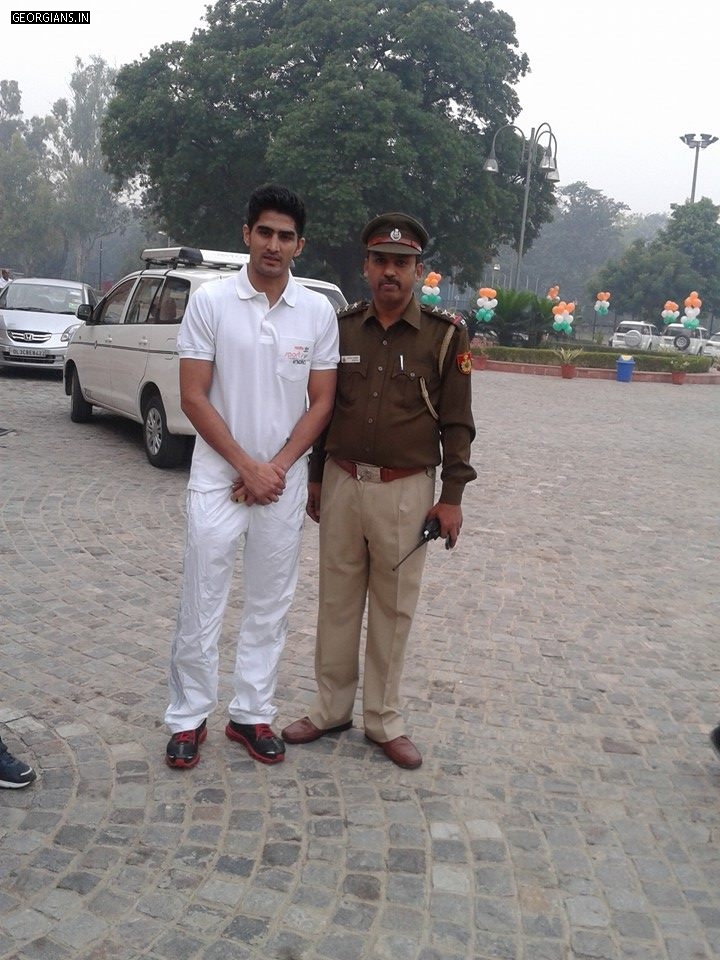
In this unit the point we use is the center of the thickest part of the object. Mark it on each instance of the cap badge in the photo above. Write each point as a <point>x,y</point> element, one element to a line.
<point>395,235</point>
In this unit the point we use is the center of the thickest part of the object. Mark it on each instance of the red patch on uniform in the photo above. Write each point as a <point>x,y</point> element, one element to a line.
<point>464,362</point>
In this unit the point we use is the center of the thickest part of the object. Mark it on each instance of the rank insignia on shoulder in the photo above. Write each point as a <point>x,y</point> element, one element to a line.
<point>352,308</point>
<point>464,362</point>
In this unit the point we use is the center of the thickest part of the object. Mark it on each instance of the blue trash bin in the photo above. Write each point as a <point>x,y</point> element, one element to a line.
<point>625,367</point>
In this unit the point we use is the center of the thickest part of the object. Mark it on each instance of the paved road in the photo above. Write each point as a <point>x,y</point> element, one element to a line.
<point>561,683</point>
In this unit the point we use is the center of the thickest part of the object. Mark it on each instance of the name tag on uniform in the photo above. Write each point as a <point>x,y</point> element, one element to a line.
<point>353,358</point>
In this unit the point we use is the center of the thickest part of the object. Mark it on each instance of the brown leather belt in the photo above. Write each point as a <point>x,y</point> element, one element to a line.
<point>372,474</point>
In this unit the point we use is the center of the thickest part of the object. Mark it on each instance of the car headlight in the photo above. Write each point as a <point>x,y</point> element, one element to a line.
<point>67,334</point>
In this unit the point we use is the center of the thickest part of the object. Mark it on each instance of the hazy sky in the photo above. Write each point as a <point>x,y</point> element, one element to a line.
<point>618,81</point>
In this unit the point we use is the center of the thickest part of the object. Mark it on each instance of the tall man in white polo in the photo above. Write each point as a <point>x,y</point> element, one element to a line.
<point>258,358</point>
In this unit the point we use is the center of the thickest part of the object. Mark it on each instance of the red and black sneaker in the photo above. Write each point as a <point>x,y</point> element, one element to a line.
<point>258,739</point>
<point>183,749</point>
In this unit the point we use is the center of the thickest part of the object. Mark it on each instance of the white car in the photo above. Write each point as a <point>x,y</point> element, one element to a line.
<point>123,357</point>
<point>636,335</point>
<point>677,337</point>
<point>712,347</point>
<point>37,321</point>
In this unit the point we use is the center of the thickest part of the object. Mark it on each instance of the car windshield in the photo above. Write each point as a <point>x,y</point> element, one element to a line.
<point>627,327</point>
<point>42,298</point>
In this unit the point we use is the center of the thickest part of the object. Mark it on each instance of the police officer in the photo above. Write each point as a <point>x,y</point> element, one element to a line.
<point>402,408</point>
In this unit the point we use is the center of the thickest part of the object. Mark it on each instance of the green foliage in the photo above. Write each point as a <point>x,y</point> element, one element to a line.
<point>684,256</point>
<point>88,206</point>
<point>55,196</point>
<point>519,311</point>
<point>359,105</point>
<point>567,356</point>
<point>585,232</point>
<point>658,361</point>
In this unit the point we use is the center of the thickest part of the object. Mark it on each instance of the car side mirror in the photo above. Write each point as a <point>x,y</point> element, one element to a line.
<point>84,312</point>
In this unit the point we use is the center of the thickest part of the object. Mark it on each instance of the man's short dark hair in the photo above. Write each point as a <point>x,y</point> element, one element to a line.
<point>281,200</point>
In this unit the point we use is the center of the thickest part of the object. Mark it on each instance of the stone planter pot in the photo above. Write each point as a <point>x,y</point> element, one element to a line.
<point>678,376</point>
<point>568,371</point>
<point>479,362</point>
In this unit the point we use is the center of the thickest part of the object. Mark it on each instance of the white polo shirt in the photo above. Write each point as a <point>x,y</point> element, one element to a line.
<point>262,357</point>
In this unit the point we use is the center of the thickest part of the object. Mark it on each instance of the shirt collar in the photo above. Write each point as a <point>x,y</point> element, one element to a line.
<point>411,313</point>
<point>246,291</point>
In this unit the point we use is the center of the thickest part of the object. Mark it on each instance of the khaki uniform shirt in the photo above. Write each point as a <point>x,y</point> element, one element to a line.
<point>387,382</point>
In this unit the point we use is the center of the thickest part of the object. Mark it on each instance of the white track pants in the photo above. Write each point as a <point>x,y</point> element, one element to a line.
<point>272,534</point>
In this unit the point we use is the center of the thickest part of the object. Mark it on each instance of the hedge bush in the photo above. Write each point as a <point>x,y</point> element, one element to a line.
<point>606,360</point>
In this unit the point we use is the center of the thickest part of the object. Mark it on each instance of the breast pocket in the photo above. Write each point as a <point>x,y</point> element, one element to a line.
<point>294,356</point>
<point>412,381</point>
<point>352,382</point>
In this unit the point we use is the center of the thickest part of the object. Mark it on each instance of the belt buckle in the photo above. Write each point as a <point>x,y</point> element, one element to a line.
<point>368,472</point>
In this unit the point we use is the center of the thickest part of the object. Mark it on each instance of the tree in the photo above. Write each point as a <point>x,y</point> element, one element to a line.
<point>585,232</point>
<point>31,239</point>
<point>360,105</point>
<point>88,204</point>
<point>684,256</point>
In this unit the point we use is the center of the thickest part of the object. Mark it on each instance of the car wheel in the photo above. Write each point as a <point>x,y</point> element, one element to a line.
<point>633,338</point>
<point>163,449</point>
<point>682,341</point>
<point>80,409</point>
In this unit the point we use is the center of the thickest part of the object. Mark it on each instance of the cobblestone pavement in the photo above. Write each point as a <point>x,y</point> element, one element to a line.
<point>561,682</point>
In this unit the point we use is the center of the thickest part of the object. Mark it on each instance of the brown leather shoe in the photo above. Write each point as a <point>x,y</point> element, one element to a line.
<point>402,751</point>
<point>305,731</point>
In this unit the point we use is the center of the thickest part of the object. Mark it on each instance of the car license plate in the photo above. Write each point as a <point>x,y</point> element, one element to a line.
<point>27,352</point>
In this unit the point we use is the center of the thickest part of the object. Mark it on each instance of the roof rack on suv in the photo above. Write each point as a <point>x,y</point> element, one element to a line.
<point>193,257</point>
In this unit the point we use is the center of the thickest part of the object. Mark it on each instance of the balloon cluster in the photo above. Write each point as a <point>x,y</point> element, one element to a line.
<point>602,303</point>
<point>563,316</point>
<point>670,312</point>
<point>487,301</point>
<point>692,309</point>
<point>430,290</point>
<point>553,294</point>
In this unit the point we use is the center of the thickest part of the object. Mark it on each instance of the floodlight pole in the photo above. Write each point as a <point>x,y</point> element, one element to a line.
<point>697,142</point>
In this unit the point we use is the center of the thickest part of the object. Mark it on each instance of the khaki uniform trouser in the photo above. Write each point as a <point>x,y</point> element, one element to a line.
<point>365,529</point>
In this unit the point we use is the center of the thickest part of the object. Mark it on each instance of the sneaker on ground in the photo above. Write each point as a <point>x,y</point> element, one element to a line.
<point>14,774</point>
<point>183,749</point>
<point>258,739</point>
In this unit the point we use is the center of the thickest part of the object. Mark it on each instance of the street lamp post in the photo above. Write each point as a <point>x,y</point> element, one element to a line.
<point>697,142</point>
<point>548,164</point>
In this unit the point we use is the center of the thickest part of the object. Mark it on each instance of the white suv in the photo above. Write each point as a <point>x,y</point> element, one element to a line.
<point>677,337</point>
<point>124,357</point>
<point>637,335</point>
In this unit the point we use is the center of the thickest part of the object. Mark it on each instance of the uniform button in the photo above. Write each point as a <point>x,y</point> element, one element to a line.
<point>385,343</point>
<point>376,394</point>
<point>380,369</point>
<point>370,419</point>
<point>412,375</point>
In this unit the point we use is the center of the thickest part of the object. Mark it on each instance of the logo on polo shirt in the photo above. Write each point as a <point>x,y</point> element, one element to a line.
<point>298,354</point>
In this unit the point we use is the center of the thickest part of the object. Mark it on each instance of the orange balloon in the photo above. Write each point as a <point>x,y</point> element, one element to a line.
<point>487,292</point>
<point>569,307</point>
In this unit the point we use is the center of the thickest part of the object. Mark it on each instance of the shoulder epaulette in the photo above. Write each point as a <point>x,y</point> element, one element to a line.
<point>455,319</point>
<point>352,308</point>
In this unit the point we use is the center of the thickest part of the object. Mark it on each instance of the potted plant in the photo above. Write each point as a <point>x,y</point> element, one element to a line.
<point>479,349</point>
<point>678,368</point>
<point>567,358</point>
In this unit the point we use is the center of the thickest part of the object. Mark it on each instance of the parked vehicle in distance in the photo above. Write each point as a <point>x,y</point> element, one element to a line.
<point>123,356</point>
<point>712,347</point>
<point>636,335</point>
<point>38,319</point>
<point>677,337</point>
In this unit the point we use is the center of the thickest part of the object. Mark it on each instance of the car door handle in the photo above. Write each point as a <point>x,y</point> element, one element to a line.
<point>143,341</point>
